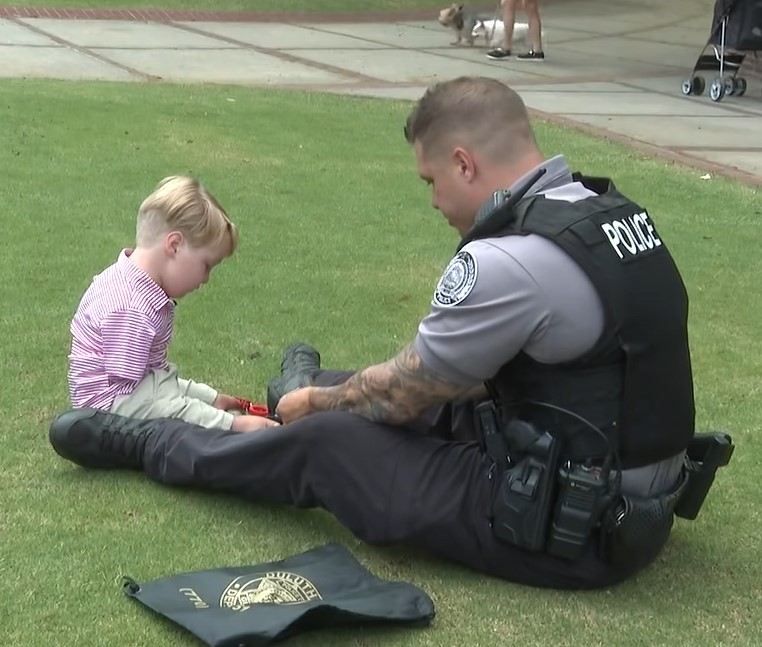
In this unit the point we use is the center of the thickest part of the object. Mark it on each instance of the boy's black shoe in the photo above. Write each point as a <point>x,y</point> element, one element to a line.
<point>498,54</point>
<point>531,55</point>
<point>98,439</point>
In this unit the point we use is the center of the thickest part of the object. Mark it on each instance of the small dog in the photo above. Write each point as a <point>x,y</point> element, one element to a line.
<point>462,22</point>
<point>493,32</point>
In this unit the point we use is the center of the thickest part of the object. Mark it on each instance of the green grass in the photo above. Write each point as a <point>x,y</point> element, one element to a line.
<point>341,248</point>
<point>316,6</point>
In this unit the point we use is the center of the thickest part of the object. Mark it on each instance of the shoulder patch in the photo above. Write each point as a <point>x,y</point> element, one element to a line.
<point>457,281</point>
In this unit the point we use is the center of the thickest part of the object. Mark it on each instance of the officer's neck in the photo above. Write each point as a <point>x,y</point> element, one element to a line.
<point>523,168</point>
<point>508,174</point>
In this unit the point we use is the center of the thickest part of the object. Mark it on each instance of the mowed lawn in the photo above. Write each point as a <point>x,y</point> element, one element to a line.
<point>339,247</point>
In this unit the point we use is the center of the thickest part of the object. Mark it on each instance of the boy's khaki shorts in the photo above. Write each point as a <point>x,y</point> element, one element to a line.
<point>162,394</point>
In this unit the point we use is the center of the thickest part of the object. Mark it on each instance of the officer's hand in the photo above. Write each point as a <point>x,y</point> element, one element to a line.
<point>294,405</point>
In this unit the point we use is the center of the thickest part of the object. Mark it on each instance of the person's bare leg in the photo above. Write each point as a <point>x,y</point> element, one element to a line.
<point>534,36</point>
<point>509,17</point>
<point>535,26</point>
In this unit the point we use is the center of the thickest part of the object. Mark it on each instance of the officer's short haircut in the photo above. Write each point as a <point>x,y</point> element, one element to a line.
<point>478,112</point>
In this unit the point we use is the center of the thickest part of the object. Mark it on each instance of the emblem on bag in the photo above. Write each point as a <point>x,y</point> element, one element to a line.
<point>276,587</point>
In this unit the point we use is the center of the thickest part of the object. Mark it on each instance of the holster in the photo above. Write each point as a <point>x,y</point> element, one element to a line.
<point>706,453</point>
<point>527,461</point>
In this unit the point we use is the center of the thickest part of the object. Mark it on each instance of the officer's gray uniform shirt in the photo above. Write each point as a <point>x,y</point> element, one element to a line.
<point>500,296</point>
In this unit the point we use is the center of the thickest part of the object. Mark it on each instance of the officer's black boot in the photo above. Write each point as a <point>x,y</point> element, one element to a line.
<point>98,439</point>
<point>300,364</point>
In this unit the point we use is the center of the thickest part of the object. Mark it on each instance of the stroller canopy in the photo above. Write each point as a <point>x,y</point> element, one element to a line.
<point>743,24</point>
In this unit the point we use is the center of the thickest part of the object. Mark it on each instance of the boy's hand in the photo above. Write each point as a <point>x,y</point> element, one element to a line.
<point>226,402</point>
<point>252,423</point>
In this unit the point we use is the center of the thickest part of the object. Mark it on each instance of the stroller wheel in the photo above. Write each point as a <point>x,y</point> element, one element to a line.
<point>717,90</point>
<point>739,86</point>
<point>730,87</point>
<point>693,86</point>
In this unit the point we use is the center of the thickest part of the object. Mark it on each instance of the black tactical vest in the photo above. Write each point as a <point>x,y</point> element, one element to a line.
<point>635,384</point>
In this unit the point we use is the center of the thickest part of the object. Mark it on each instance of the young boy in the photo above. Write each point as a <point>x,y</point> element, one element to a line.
<point>123,326</point>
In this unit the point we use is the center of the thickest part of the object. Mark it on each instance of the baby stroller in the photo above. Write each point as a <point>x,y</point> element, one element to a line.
<point>737,26</point>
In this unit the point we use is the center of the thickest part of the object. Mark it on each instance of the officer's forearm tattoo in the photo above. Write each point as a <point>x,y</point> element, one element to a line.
<point>394,392</point>
<point>476,393</point>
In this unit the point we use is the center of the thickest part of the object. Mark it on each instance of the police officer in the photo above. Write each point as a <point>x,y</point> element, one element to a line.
<point>562,308</point>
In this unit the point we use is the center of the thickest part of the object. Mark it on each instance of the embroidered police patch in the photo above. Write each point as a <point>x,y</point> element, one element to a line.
<point>457,281</point>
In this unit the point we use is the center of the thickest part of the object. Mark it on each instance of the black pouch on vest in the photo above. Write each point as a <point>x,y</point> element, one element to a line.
<point>263,603</point>
<point>635,528</point>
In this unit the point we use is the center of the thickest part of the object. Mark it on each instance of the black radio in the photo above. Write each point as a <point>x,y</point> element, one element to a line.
<point>583,496</point>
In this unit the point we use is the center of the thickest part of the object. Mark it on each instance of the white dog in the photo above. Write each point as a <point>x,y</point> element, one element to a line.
<point>493,32</point>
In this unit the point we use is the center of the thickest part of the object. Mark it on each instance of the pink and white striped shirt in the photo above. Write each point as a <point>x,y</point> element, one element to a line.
<point>122,328</point>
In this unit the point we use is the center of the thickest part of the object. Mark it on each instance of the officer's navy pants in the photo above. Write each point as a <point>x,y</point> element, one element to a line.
<point>428,485</point>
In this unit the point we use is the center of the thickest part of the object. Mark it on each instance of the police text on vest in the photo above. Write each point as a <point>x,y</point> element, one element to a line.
<point>634,234</point>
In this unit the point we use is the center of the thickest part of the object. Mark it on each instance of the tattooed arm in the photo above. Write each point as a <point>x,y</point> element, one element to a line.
<point>474,394</point>
<point>394,392</point>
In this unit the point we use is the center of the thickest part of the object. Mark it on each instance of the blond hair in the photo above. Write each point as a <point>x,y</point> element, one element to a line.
<point>479,112</point>
<point>181,203</point>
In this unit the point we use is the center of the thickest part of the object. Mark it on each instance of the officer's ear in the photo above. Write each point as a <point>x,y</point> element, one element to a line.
<point>464,160</point>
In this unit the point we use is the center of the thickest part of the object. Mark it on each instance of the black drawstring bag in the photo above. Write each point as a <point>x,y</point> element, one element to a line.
<point>256,605</point>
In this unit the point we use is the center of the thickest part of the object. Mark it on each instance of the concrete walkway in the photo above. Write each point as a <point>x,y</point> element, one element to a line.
<point>613,67</point>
